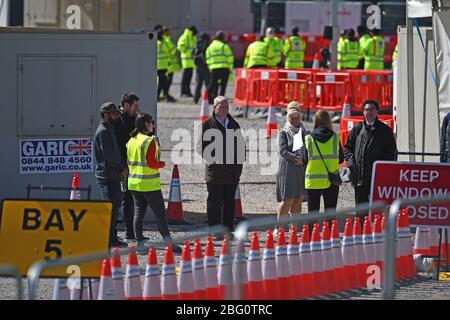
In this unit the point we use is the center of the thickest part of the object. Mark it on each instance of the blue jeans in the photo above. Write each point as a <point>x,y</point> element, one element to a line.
<point>111,191</point>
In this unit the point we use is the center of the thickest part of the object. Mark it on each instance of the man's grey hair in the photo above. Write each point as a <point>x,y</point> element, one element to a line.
<point>219,100</point>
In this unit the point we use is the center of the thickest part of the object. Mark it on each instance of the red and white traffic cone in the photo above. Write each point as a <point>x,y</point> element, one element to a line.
<point>133,289</point>
<point>269,269</point>
<point>341,279</point>
<point>306,263</point>
<point>360,260</point>
<point>225,272</point>
<point>240,267</point>
<point>377,238</point>
<point>317,261</point>
<point>272,124</point>
<point>60,290</point>
<point>294,265</point>
<point>198,271</point>
<point>346,108</point>
<point>348,255</point>
<point>284,278</point>
<point>445,248</point>
<point>175,206</point>
<point>329,271</point>
<point>405,250</point>
<point>117,275</point>
<point>152,282</point>
<point>368,246</point>
<point>238,214</point>
<point>316,61</point>
<point>186,289</point>
<point>75,194</point>
<point>254,269</point>
<point>204,112</point>
<point>210,265</point>
<point>169,290</point>
<point>422,241</point>
<point>106,288</point>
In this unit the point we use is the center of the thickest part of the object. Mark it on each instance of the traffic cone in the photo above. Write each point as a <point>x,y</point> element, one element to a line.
<point>225,272</point>
<point>75,194</point>
<point>360,260</point>
<point>294,265</point>
<point>368,246</point>
<point>210,265</point>
<point>60,290</point>
<point>117,275</point>
<point>133,289</point>
<point>175,206</point>
<point>316,61</point>
<point>329,272</point>
<point>422,241</point>
<point>405,250</point>
<point>198,272</point>
<point>186,289</point>
<point>204,112</point>
<point>238,215</point>
<point>272,124</point>
<point>269,269</point>
<point>317,261</point>
<point>341,280</point>
<point>254,269</point>
<point>445,247</point>
<point>346,108</point>
<point>284,278</point>
<point>106,288</point>
<point>152,282</point>
<point>240,266</point>
<point>348,255</point>
<point>377,238</point>
<point>169,290</point>
<point>306,263</point>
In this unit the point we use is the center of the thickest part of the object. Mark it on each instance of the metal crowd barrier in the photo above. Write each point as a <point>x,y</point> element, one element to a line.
<point>390,228</point>
<point>12,271</point>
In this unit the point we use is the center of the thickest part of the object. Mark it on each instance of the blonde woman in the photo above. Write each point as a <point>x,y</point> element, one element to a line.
<point>290,183</point>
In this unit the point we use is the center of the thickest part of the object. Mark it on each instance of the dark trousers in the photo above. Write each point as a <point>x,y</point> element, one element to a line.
<point>202,78</point>
<point>155,201</point>
<point>128,213</point>
<point>218,75</point>
<point>169,80</point>
<point>163,83</point>
<point>186,81</point>
<point>330,197</point>
<point>220,204</point>
<point>111,191</point>
<point>362,195</point>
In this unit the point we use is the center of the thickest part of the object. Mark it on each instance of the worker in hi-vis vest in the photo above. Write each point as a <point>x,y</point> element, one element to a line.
<point>340,49</point>
<point>275,45</point>
<point>258,54</point>
<point>350,59</point>
<point>374,52</point>
<point>185,45</point>
<point>294,50</point>
<point>363,39</point>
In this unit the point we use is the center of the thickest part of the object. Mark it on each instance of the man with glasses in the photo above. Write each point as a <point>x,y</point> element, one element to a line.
<point>369,141</point>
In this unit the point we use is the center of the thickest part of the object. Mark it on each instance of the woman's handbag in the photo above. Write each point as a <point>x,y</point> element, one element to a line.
<point>334,177</point>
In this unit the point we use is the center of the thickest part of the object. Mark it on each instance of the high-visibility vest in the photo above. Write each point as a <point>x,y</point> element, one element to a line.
<point>365,38</point>
<point>316,174</point>
<point>163,56</point>
<point>374,54</point>
<point>219,56</point>
<point>185,45</point>
<point>276,46</point>
<point>294,50</point>
<point>340,53</point>
<point>257,54</point>
<point>351,54</point>
<point>142,178</point>
<point>174,61</point>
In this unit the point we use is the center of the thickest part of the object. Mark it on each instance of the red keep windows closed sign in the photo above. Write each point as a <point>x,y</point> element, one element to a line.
<point>400,180</point>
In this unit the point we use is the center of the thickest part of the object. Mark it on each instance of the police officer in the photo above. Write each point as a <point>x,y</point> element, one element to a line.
<point>185,45</point>
<point>374,52</point>
<point>351,51</point>
<point>340,49</point>
<point>258,54</point>
<point>220,60</point>
<point>363,39</point>
<point>294,50</point>
<point>163,62</point>
<point>275,45</point>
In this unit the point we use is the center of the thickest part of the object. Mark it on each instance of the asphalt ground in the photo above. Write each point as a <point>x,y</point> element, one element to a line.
<point>258,196</point>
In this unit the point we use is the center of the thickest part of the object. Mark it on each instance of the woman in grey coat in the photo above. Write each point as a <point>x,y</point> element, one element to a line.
<point>291,174</point>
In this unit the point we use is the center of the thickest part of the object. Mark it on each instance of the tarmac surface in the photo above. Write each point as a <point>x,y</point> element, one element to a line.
<point>258,196</point>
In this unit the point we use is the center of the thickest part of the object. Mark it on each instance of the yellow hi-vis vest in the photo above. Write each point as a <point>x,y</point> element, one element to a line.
<point>142,178</point>
<point>351,54</point>
<point>316,175</point>
<point>258,53</point>
<point>294,50</point>
<point>374,54</point>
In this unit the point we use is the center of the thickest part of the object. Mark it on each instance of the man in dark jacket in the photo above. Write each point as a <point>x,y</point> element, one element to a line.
<point>123,127</point>
<point>201,68</point>
<point>445,141</point>
<point>369,141</point>
<point>110,169</point>
<point>223,149</point>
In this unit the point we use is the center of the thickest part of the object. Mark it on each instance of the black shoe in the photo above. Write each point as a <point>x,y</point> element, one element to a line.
<point>196,100</point>
<point>171,99</point>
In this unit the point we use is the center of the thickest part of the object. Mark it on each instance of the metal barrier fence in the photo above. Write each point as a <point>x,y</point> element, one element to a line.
<point>12,271</point>
<point>389,273</point>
